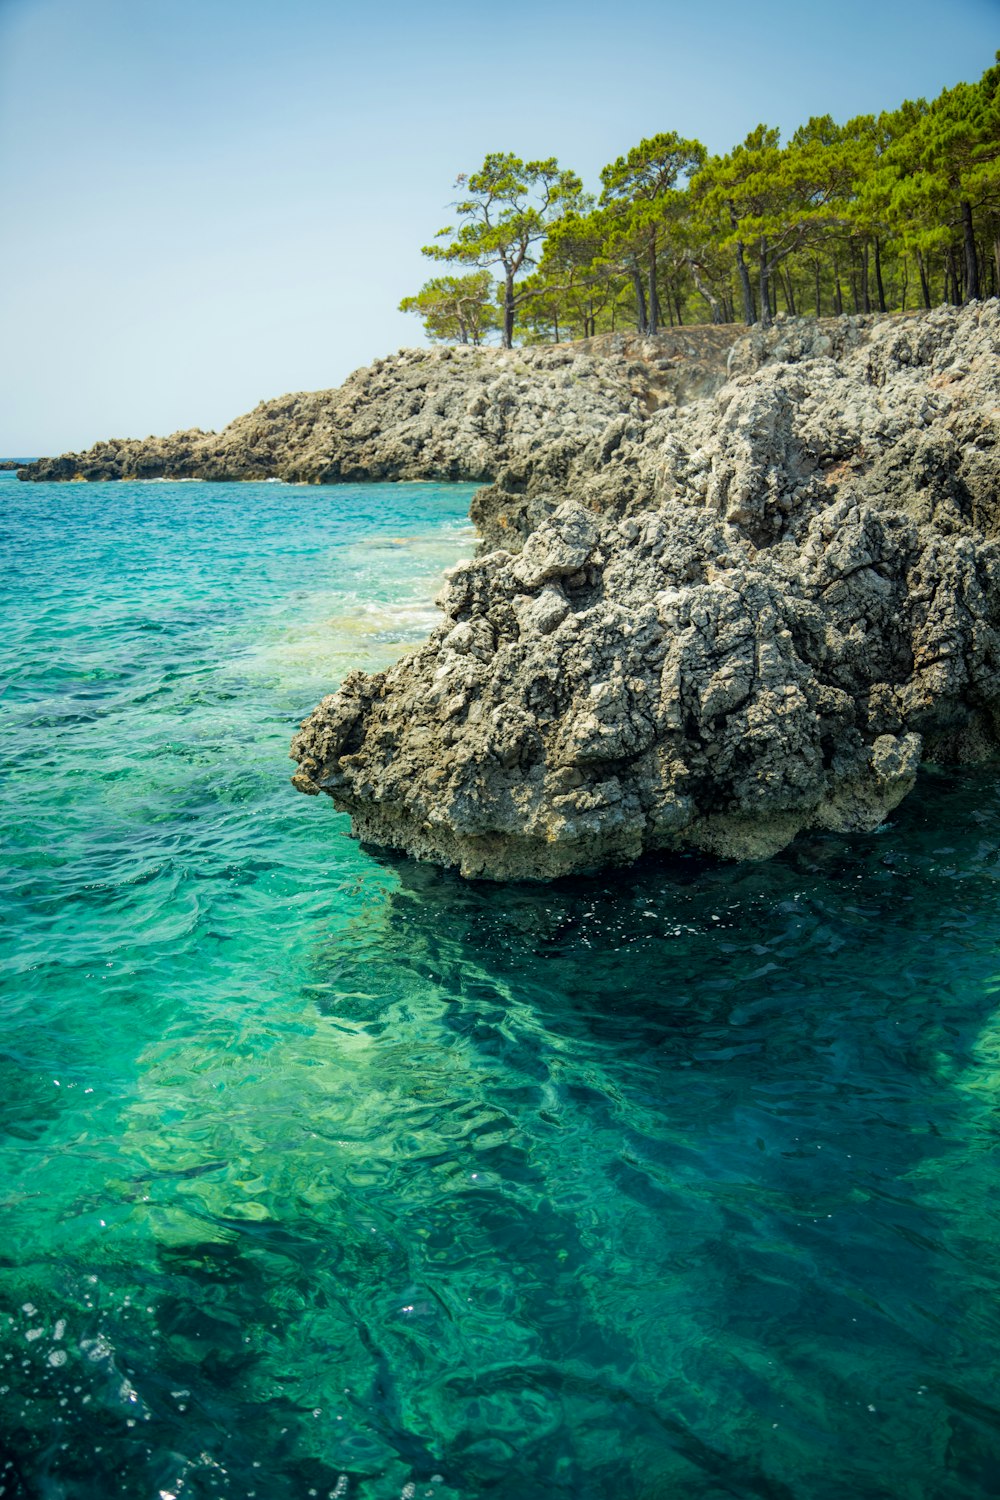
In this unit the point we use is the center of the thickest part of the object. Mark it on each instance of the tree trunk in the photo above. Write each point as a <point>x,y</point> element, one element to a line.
<point>765,301</point>
<point>905,279</point>
<point>819,290</point>
<point>508,311</point>
<point>679,304</point>
<point>555,328</point>
<point>878,276</point>
<point>653,314</point>
<point>971,258</point>
<point>705,291</point>
<point>866,301</point>
<point>925,290</point>
<point>996,263</point>
<point>854,279</point>
<point>749,316</point>
<point>789,292</point>
<point>838,291</point>
<point>640,300</point>
<point>956,285</point>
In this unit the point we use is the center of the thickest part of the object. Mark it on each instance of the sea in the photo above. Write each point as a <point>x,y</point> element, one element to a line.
<point>324,1173</point>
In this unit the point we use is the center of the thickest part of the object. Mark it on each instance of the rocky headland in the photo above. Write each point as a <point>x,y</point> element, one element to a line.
<point>445,413</point>
<point>709,614</point>
<point>730,585</point>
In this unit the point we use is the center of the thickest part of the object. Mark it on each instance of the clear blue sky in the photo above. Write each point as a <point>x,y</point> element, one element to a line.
<point>209,202</point>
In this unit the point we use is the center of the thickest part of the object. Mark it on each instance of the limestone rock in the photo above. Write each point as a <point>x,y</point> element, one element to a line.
<point>711,627</point>
<point>445,413</point>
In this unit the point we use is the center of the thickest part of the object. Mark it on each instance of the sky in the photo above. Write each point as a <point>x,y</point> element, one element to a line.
<point>207,203</point>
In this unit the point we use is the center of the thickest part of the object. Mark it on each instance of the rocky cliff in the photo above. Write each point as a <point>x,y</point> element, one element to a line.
<point>700,623</point>
<point>428,414</point>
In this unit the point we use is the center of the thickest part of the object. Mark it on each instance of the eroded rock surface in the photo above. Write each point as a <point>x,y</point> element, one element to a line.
<point>429,414</point>
<point>711,626</point>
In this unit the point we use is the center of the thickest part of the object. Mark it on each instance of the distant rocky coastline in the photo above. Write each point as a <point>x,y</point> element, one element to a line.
<point>706,616</point>
<point>446,413</point>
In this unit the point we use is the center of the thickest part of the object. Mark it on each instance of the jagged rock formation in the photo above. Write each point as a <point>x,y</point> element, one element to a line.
<point>710,625</point>
<point>807,407</point>
<point>428,414</point>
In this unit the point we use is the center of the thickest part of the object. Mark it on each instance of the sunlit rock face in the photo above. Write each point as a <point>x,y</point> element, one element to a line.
<point>733,620</point>
<point>446,413</point>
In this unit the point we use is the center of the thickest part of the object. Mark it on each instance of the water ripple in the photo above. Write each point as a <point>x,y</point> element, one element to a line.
<point>327,1174</point>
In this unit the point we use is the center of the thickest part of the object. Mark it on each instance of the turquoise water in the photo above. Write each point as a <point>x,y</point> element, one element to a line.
<point>329,1175</point>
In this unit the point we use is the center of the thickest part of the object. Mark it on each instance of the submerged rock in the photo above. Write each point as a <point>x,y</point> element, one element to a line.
<point>711,626</point>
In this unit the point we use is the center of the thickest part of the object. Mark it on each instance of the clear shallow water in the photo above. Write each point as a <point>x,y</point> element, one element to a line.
<point>326,1174</point>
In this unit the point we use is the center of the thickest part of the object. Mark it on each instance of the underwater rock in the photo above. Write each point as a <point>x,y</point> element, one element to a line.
<point>728,622</point>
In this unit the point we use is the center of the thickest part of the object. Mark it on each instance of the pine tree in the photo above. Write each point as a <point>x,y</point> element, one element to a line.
<point>510,208</point>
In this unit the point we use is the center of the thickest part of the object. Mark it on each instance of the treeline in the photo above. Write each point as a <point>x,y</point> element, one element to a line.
<point>883,213</point>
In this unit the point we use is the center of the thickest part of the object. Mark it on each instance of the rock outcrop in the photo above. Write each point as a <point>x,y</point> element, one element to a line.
<point>710,625</point>
<point>442,413</point>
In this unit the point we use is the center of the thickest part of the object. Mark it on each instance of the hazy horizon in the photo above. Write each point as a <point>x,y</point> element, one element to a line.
<point>210,205</point>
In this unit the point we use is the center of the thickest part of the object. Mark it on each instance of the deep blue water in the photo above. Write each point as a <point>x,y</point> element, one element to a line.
<point>327,1174</point>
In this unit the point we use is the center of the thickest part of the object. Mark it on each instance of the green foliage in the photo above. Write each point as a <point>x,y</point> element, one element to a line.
<point>943,167</point>
<point>651,170</point>
<point>646,228</point>
<point>456,309</point>
<point>876,213</point>
<point>509,208</point>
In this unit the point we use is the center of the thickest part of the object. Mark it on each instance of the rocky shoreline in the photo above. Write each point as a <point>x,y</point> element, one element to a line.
<point>709,621</point>
<point>445,413</point>
<point>730,585</point>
